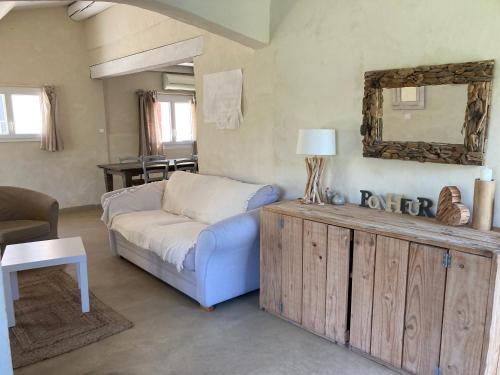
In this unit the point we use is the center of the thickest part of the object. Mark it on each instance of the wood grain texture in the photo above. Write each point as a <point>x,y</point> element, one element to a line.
<point>291,281</point>
<point>391,265</point>
<point>270,262</point>
<point>314,277</point>
<point>491,341</point>
<point>478,75</point>
<point>405,227</point>
<point>424,309</point>
<point>363,278</point>
<point>337,283</point>
<point>464,319</point>
<point>450,210</point>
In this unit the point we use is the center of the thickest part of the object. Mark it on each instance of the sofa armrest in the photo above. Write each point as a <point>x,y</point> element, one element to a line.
<point>137,198</point>
<point>227,258</point>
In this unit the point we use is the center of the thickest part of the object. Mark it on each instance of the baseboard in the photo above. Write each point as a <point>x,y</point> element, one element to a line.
<point>79,208</point>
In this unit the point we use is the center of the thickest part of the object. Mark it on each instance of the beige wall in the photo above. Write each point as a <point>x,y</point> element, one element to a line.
<point>245,152</point>
<point>45,47</point>
<point>122,116</point>
<point>122,113</point>
<point>322,49</point>
<point>311,75</point>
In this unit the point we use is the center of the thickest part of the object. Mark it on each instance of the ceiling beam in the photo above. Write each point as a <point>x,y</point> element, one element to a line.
<point>171,54</point>
<point>244,21</point>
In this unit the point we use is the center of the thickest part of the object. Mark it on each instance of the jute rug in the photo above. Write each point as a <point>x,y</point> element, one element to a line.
<point>49,319</point>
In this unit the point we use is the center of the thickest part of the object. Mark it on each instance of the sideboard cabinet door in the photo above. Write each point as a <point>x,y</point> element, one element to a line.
<point>337,283</point>
<point>314,277</point>
<point>389,296</point>
<point>281,265</point>
<point>291,270</point>
<point>363,278</point>
<point>270,262</point>
<point>464,318</point>
<point>424,309</point>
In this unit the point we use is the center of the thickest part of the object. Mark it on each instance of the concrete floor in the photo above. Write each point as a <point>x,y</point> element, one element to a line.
<point>172,335</point>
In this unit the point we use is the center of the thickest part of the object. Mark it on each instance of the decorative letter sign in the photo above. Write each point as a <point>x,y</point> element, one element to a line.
<point>397,204</point>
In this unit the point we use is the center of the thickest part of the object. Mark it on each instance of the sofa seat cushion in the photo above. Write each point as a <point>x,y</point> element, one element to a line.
<point>174,242</point>
<point>15,231</point>
<point>134,226</point>
<point>171,237</point>
<point>207,199</point>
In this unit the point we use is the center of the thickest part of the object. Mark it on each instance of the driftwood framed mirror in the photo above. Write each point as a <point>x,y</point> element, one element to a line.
<point>418,113</point>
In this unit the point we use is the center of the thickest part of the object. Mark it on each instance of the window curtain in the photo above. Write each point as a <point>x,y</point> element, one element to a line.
<point>149,123</point>
<point>50,138</point>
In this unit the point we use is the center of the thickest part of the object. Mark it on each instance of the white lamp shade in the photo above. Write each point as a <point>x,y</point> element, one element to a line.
<point>320,142</point>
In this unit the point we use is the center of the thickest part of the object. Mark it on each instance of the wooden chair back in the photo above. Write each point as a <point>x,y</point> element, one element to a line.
<point>151,160</point>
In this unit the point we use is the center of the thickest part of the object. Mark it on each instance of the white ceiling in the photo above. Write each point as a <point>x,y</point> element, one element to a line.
<point>41,4</point>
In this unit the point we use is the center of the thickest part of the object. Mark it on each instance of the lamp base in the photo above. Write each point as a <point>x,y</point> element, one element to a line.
<point>312,193</point>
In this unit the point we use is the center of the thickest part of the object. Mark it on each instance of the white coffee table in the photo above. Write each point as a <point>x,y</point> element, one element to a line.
<point>31,255</point>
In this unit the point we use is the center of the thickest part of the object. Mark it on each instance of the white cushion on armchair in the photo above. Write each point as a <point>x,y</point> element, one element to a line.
<point>208,199</point>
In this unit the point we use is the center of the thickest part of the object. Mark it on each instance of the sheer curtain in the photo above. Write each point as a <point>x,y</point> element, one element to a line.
<point>50,139</point>
<point>149,123</point>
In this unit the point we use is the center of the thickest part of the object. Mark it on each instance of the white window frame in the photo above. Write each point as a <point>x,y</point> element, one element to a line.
<point>12,136</point>
<point>172,99</point>
<point>397,103</point>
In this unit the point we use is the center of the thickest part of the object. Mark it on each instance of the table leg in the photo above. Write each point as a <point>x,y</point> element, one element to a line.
<point>9,302</point>
<point>127,179</point>
<point>78,275</point>
<point>14,286</point>
<point>108,180</point>
<point>84,285</point>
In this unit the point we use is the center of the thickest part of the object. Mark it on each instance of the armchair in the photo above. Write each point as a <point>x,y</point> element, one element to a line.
<point>26,215</point>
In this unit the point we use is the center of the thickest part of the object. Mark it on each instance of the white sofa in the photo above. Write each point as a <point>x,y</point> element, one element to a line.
<point>198,233</point>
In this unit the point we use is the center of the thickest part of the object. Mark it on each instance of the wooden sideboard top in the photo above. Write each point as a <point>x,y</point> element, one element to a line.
<point>405,227</point>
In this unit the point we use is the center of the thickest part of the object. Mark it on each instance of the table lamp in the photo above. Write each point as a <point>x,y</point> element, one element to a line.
<point>316,144</point>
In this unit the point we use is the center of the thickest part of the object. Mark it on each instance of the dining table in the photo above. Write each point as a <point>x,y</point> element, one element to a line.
<point>130,169</point>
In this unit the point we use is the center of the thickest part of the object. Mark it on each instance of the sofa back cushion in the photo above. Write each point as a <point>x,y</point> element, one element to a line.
<point>208,199</point>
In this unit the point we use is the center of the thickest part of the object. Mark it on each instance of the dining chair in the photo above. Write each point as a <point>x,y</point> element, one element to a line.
<point>154,160</point>
<point>187,165</point>
<point>133,159</point>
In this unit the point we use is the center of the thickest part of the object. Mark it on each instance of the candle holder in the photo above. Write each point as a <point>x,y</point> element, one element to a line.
<point>484,199</point>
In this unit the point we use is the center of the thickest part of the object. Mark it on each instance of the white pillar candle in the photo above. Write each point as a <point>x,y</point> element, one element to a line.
<point>486,174</point>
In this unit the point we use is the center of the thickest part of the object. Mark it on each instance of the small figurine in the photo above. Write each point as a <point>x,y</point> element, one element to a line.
<point>338,199</point>
<point>329,195</point>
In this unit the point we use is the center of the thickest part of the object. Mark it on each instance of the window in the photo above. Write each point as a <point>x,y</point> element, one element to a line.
<point>176,118</point>
<point>20,113</point>
<point>408,98</point>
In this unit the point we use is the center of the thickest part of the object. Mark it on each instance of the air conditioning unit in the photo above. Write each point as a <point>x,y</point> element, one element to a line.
<point>81,10</point>
<point>178,82</point>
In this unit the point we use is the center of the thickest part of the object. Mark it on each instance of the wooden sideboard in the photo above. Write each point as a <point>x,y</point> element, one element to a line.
<point>409,292</point>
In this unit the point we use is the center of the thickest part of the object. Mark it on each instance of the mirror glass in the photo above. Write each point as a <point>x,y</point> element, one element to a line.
<point>424,114</point>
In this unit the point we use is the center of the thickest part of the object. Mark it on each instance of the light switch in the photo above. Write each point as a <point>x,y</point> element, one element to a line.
<point>407,116</point>
<point>101,131</point>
